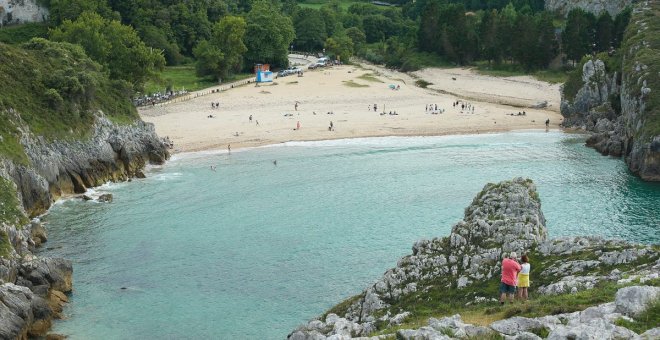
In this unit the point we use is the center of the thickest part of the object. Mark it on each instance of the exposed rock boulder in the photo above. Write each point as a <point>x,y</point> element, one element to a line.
<point>105,198</point>
<point>632,301</point>
<point>22,313</point>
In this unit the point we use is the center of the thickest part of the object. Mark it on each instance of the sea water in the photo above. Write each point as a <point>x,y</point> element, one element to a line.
<point>252,249</point>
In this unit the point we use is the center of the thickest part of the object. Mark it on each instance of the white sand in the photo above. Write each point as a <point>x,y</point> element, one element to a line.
<point>324,90</point>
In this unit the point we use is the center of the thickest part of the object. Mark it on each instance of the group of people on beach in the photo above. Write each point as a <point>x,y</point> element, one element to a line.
<point>433,109</point>
<point>515,277</point>
<point>464,106</point>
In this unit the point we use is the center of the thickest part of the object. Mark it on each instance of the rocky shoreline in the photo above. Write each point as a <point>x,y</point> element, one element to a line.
<point>33,290</point>
<point>463,270</point>
<point>618,105</point>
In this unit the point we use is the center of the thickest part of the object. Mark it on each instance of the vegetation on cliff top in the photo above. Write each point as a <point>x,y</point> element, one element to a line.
<point>10,213</point>
<point>642,64</point>
<point>54,90</point>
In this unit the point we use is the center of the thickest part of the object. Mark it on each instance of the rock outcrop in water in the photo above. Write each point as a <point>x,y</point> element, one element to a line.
<point>633,130</point>
<point>463,269</point>
<point>32,290</point>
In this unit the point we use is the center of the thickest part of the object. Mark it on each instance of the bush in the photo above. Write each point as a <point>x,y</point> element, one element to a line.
<point>53,99</point>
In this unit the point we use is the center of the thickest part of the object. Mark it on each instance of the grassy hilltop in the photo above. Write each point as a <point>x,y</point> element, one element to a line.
<point>52,90</point>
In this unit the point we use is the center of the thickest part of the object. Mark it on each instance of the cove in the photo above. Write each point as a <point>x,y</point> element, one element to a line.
<point>254,249</point>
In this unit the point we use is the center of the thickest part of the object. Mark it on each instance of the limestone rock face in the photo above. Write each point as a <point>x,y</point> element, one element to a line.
<point>57,167</point>
<point>592,6</point>
<point>21,12</point>
<point>633,132</point>
<point>632,301</point>
<point>20,310</point>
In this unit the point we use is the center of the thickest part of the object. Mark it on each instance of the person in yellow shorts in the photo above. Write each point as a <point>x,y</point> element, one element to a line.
<point>523,278</point>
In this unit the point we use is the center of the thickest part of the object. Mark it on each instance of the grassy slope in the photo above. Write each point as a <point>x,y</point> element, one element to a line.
<point>644,29</point>
<point>10,213</point>
<point>23,33</point>
<point>434,299</point>
<point>27,74</point>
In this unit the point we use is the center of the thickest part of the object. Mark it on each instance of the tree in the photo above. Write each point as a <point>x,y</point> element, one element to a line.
<point>578,35</point>
<point>310,29</point>
<point>604,32</point>
<point>488,30</point>
<point>340,46</point>
<point>223,54</point>
<point>269,34</point>
<point>620,24</point>
<point>60,10</point>
<point>357,37</point>
<point>115,46</point>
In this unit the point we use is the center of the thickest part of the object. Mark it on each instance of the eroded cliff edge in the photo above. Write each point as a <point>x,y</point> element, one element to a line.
<point>617,98</point>
<point>446,287</point>
<point>64,127</point>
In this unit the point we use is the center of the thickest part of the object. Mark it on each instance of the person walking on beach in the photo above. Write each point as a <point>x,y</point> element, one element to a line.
<point>523,278</point>
<point>250,118</point>
<point>229,148</point>
<point>547,122</point>
<point>298,125</point>
<point>296,106</point>
<point>510,269</point>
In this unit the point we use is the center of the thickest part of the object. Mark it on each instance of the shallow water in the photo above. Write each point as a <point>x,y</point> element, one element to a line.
<point>253,249</point>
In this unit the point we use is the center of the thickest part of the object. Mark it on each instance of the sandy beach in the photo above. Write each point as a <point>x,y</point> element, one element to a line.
<point>345,95</point>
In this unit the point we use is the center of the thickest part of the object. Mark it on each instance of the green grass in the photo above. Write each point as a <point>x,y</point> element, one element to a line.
<point>370,77</point>
<point>5,246</point>
<point>184,77</point>
<point>439,302</point>
<point>351,83</point>
<point>509,70</point>
<point>22,33</point>
<point>10,207</point>
<point>422,83</point>
<point>317,4</point>
<point>178,78</point>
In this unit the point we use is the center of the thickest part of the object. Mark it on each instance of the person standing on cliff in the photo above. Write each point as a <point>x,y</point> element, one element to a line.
<point>523,278</point>
<point>510,269</point>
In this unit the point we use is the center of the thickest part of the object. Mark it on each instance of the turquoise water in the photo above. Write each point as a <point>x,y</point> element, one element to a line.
<point>253,249</point>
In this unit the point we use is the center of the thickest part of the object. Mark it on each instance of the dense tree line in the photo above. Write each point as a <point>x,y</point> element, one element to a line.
<point>133,39</point>
<point>586,33</point>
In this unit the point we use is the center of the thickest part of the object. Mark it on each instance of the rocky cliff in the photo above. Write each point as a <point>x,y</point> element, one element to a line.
<point>461,273</point>
<point>596,7</point>
<point>640,96</point>
<point>632,127</point>
<point>33,289</point>
<point>21,11</point>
